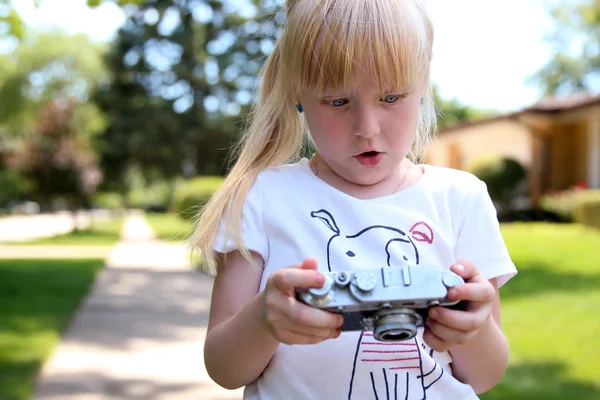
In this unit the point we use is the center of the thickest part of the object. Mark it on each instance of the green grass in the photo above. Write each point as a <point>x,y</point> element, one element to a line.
<point>550,313</point>
<point>169,227</point>
<point>103,233</point>
<point>37,300</point>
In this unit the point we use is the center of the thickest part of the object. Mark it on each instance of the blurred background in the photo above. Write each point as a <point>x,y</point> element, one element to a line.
<point>116,118</point>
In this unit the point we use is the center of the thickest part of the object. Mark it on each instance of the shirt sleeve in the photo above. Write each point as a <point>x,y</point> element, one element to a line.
<point>253,231</point>
<point>479,238</point>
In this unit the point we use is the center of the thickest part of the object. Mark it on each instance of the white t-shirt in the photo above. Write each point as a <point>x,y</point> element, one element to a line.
<point>291,214</point>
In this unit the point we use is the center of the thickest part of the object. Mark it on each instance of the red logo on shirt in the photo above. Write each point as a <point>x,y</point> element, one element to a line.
<point>421,232</point>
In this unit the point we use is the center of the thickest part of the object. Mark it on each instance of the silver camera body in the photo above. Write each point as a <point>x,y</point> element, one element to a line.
<point>391,302</point>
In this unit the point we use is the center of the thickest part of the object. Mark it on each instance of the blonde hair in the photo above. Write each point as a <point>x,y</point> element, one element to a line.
<point>325,42</point>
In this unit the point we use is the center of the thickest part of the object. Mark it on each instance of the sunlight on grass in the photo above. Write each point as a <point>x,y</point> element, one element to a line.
<point>37,301</point>
<point>169,227</point>
<point>550,313</point>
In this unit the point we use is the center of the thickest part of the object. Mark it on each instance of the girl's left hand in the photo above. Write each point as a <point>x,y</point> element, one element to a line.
<point>446,328</point>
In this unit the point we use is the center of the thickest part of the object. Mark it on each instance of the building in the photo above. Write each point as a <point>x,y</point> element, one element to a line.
<point>557,140</point>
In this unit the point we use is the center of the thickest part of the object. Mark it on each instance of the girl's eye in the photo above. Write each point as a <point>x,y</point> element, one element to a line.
<point>392,98</point>
<point>338,102</point>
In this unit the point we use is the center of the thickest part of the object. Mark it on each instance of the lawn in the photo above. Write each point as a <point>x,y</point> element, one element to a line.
<point>103,233</point>
<point>550,313</point>
<point>37,300</point>
<point>169,227</point>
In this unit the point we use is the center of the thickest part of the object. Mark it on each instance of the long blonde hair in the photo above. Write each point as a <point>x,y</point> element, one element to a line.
<point>323,45</point>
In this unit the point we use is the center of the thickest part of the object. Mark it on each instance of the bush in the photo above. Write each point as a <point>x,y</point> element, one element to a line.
<point>13,187</point>
<point>586,210</point>
<point>108,201</point>
<point>154,197</point>
<point>190,196</point>
<point>560,203</point>
<point>506,180</point>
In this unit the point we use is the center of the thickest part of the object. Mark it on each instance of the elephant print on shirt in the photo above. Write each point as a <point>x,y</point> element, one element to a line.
<point>392,370</point>
<point>346,252</point>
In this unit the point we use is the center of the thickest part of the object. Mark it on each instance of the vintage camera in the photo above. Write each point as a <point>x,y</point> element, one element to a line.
<point>391,302</point>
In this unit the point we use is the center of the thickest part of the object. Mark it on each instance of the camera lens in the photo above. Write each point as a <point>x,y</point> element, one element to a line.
<point>396,325</point>
<point>393,336</point>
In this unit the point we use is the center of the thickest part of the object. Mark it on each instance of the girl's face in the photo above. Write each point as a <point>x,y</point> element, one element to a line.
<point>362,134</point>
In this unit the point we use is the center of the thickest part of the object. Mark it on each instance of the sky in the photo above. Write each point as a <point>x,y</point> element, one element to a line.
<point>484,50</point>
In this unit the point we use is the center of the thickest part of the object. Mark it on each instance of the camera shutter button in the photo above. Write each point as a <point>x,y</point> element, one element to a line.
<point>366,281</point>
<point>450,279</point>
<point>323,292</point>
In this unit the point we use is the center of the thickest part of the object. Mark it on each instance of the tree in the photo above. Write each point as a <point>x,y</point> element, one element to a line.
<point>10,22</point>
<point>575,64</point>
<point>452,112</point>
<point>59,159</point>
<point>48,125</point>
<point>47,67</point>
<point>182,74</point>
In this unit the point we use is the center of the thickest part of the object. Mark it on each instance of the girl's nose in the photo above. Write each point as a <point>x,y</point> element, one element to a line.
<point>365,123</point>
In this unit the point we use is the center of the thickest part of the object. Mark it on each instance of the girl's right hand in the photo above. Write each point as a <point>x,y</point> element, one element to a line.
<point>290,321</point>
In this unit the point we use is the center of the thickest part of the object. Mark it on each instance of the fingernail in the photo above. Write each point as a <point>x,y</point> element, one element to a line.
<point>459,268</point>
<point>320,279</point>
<point>434,313</point>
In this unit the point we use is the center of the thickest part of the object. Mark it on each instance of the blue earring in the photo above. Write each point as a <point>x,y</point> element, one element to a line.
<point>299,108</point>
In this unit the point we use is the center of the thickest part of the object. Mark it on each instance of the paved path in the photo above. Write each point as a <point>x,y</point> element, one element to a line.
<point>139,334</point>
<point>22,228</point>
<point>51,251</point>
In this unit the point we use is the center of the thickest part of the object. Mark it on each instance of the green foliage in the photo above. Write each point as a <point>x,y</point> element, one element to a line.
<point>59,160</point>
<point>178,89</point>
<point>50,67</point>
<point>49,125</point>
<point>576,42</point>
<point>108,201</point>
<point>586,209</point>
<point>451,112</point>
<point>505,179</point>
<point>150,196</point>
<point>169,227</point>
<point>14,186</point>
<point>190,196</point>
<point>11,20</point>
<point>561,203</point>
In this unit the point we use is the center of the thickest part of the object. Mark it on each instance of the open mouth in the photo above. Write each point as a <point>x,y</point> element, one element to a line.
<point>370,153</point>
<point>370,158</point>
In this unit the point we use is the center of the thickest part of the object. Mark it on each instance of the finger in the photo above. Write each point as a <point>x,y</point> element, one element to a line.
<point>290,337</point>
<point>310,317</point>
<point>481,291</point>
<point>323,333</point>
<point>465,269</point>
<point>435,342</point>
<point>310,263</point>
<point>448,334</point>
<point>289,278</point>
<point>459,320</point>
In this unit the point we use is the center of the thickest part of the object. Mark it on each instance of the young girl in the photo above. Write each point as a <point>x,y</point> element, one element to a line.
<point>354,75</point>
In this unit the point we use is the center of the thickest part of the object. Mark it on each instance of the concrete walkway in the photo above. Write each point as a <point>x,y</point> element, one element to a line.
<point>16,228</point>
<point>51,251</point>
<point>139,334</point>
